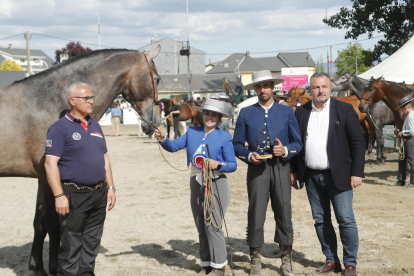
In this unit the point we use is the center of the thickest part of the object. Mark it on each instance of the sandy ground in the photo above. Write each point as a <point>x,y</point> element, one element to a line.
<point>151,229</point>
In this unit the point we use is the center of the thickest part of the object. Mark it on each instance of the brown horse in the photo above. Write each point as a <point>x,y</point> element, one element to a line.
<point>28,107</point>
<point>298,95</point>
<point>390,93</point>
<point>186,112</point>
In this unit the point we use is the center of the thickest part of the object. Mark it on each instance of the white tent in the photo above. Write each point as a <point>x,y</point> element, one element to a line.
<point>398,67</point>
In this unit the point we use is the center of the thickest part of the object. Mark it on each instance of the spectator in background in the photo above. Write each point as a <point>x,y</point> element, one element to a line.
<point>116,113</point>
<point>203,101</point>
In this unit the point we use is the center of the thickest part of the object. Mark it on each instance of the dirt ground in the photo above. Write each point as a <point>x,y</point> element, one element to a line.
<point>151,229</point>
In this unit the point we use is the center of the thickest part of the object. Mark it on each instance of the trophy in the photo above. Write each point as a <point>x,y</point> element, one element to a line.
<point>263,146</point>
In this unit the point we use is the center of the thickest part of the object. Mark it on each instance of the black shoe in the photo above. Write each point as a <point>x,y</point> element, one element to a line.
<point>400,183</point>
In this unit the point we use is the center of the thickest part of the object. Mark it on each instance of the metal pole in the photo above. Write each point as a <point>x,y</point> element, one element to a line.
<point>238,68</point>
<point>29,68</point>
<point>188,65</point>
<point>331,64</point>
<point>99,33</point>
<point>356,72</point>
<point>327,47</point>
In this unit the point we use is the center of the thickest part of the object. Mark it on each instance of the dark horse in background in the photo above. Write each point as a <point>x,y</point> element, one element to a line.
<point>41,98</point>
<point>186,112</point>
<point>379,114</point>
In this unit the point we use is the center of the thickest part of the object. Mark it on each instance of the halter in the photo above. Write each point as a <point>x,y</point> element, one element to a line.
<point>154,101</point>
<point>343,81</point>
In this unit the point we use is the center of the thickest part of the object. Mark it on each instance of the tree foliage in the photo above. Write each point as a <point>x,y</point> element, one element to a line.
<point>72,49</point>
<point>393,18</point>
<point>347,58</point>
<point>319,65</point>
<point>10,65</point>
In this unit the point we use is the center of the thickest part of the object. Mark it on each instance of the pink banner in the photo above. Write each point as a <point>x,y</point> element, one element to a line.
<point>294,80</point>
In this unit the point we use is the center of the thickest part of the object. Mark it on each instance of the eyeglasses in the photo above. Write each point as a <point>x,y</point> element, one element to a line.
<point>87,99</point>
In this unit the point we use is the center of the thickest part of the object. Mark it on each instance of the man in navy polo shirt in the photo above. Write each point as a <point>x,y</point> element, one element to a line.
<point>79,173</point>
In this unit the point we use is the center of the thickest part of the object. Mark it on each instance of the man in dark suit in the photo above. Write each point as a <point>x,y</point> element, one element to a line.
<point>331,164</point>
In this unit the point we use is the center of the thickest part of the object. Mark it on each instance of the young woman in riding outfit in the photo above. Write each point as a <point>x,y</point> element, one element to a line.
<point>213,254</point>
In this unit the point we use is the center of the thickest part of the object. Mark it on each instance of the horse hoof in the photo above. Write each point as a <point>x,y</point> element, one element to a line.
<point>377,162</point>
<point>383,161</point>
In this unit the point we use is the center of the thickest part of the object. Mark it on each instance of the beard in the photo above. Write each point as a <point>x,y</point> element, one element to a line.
<point>320,101</point>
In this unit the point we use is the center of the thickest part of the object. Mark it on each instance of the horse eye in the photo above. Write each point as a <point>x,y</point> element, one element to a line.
<point>157,81</point>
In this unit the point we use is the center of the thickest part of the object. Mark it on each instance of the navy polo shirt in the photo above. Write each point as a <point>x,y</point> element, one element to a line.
<point>81,152</point>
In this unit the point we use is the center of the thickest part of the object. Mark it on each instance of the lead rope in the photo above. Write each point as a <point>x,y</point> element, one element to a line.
<point>401,149</point>
<point>169,162</point>
<point>210,203</point>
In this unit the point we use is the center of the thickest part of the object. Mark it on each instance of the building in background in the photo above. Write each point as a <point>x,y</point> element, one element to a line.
<point>39,61</point>
<point>169,61</point>
<point>201,85</point>
<point>245,65</point>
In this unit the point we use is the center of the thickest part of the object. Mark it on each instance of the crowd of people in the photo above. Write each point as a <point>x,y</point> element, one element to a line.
<point>319,147</point>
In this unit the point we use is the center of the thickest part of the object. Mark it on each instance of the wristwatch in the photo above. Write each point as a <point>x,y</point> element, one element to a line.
<point>218,166</point>
<point>112,188</point>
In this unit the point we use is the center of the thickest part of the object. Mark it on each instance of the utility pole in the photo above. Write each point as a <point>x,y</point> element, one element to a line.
<point>331,63</point>
<point>188,59</point>
<point>29,68</point>
<point>99,33</point>
<point>356,72</point>
<point>327,47</point>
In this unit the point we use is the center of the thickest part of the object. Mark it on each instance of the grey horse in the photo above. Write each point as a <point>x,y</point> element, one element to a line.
<point>28,107</point>
<point>379,114</point>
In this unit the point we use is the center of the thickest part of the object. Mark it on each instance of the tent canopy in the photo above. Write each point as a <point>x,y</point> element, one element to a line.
<point>399,67</point>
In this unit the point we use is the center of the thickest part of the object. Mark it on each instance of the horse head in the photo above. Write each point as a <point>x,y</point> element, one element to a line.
<point>297,97</point>
<point>371,95</point>
<point>140,89</point>
<point>341,80</point>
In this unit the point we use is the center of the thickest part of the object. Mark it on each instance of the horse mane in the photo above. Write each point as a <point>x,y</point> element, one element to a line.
<point>70,61</point>
<point>396,84</point>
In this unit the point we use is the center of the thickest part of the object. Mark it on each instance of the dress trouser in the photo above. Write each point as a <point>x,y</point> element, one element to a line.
<point>81,230</point>
<point>263,181</point>
<point>212,242</point>
<point>225,125</point>
<point>409,156</point>
<point>177,132</point>
<point>115,126</point>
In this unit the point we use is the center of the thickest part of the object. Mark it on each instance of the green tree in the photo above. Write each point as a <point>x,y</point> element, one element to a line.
<point>319,65</point>
<point>393,18</point>
<point>10,65</point>
<point>347,58</point>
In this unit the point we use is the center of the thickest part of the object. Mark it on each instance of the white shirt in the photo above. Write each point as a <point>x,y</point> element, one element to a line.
<point>316,155</point>
<point>408,127</point>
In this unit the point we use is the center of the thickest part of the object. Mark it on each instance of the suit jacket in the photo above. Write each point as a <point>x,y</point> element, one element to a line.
<point>345,145</point>
<point>253,124</point>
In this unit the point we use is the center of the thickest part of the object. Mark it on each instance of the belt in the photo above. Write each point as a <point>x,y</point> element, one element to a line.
<point>81,187</point>
<point>328,169</point>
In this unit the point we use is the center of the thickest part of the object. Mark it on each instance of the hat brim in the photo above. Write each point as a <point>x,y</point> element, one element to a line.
<point>201,108</point>
<point>405,103</point>
<point>250,86</point>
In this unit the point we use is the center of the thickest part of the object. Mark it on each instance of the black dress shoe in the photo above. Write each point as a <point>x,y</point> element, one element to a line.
<point>350,270</point>
<point>329,267</point>
<point>400,183</point>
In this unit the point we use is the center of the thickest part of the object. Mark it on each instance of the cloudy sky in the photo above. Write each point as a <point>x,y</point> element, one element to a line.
<point>218,27</point>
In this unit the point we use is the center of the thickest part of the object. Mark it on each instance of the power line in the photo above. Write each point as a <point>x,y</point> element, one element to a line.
<point>11,36</point>
<point>207,54</point>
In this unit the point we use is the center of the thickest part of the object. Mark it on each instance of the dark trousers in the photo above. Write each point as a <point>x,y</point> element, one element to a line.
<point>81,230</point>
<point>409,157</point>
<point>263,181</point>
<point>177,132</point>
<point>322,191</point>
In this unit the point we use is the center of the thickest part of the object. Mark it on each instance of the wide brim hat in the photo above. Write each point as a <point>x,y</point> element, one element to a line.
<point>213,105</point>
<point>214,96</point>
<point>222,95</point>
<point>280,94</point>
<point>404,101</point>
<point>262,76</point>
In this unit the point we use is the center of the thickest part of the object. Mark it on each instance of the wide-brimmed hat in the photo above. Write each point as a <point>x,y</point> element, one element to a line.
<point>262,76</point>
<point>222,95</point>
<point>280,94</point>
<point>214,96</point>
<point>213,105</point>
<point>404,101</point>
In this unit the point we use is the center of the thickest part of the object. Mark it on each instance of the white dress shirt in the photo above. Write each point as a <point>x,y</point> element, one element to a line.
<point>316,156</point>
<point>408,127</point>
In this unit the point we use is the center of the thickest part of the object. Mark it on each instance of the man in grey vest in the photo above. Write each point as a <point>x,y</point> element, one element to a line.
<point>228,109</point>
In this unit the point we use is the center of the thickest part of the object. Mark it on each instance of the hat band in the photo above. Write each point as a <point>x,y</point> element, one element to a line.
<point>262,79</point>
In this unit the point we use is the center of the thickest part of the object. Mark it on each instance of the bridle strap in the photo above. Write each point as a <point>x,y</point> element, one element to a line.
<point>343,81</point>
<point>152,78</point>
<point>363,98</point>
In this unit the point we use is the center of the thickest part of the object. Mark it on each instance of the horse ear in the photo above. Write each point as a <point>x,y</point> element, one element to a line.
<point>154,53</point>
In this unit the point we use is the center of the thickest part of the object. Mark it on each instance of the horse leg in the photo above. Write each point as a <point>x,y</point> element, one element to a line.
<point>39,225</point>
<point>52,227</point>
